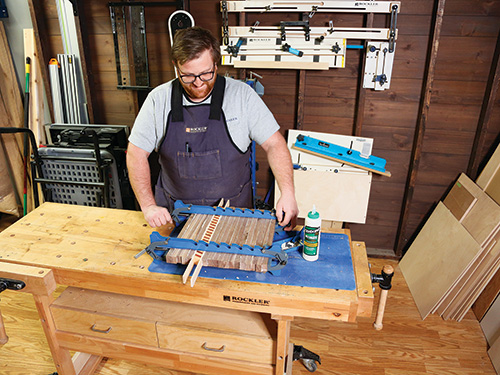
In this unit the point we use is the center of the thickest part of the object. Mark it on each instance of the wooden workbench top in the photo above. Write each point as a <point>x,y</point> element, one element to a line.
<point>94,248</point>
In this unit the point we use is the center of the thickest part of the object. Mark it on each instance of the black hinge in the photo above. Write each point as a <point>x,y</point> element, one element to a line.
<point>3,10</point>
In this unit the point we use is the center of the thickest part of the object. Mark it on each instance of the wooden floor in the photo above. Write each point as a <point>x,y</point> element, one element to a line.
<point>406,345</point>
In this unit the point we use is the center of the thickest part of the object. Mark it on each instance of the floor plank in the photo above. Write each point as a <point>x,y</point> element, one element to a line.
<point>405,346</point>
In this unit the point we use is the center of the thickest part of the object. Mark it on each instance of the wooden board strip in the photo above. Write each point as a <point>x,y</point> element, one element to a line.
<point>251,232</point>
<point>451,297</point>
<point>477,283</point>
<point>460,314</point>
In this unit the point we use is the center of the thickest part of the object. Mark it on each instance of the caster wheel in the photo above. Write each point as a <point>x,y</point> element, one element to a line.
<point>310,364</point>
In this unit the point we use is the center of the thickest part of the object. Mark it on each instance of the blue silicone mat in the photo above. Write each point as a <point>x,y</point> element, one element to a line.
<point>332,270</point>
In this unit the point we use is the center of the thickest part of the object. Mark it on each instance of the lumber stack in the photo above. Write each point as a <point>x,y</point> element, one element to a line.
<point>230,230</point>
<point>11,150</point>
<point>457,252</point>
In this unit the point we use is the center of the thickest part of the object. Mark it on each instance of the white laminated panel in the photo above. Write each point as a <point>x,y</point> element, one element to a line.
<point>339,192</point>
<point>336,196</point>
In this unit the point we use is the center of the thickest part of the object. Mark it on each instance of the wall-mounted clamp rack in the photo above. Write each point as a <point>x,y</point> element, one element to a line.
<point>297,45</point>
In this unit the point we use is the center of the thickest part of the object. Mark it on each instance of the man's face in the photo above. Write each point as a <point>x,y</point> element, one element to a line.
<point>203,66</point>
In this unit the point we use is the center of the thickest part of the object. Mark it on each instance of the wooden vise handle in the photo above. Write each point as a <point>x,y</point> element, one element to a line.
<point>387,273</point>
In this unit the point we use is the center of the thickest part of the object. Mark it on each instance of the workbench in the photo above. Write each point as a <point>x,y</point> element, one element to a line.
<point>115,307</point>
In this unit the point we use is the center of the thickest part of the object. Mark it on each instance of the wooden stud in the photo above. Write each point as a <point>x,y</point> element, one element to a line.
<point>418,139</point>
<point>486,111</point>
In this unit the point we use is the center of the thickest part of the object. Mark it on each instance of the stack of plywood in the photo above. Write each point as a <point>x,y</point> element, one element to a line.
<point>457,252</point>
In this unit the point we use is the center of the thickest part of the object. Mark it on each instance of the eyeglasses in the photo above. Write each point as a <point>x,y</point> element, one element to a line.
<point>204,77</point>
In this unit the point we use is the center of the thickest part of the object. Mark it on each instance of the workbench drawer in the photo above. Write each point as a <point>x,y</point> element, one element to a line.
<point>213,343</point>
<point>105,327</point>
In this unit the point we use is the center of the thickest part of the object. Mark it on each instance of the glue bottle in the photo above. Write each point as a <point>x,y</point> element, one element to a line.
<point>312,229</point>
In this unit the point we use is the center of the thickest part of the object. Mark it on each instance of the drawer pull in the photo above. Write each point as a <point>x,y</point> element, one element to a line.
<point>220,350</point>
<point>93,328</point>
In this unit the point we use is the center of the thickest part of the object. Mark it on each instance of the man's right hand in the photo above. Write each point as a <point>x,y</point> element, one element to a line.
<point>157,216</point>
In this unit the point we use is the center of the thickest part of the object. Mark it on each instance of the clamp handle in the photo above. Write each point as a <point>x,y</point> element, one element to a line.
<point>384,280</point>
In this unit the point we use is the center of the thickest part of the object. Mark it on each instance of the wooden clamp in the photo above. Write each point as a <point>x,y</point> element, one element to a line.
<point>384,281</point>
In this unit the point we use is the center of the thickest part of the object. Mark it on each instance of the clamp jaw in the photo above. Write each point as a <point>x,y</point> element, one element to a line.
<point>384,279</point>
<point>11,284</point>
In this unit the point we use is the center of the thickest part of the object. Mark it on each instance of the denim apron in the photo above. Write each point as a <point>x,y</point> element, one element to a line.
<point>199,162</point>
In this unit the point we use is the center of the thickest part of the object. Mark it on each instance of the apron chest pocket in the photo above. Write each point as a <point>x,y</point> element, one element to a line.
<point>199,165</point>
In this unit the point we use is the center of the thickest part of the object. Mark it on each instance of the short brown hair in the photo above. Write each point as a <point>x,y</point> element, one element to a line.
<point>190,43</point>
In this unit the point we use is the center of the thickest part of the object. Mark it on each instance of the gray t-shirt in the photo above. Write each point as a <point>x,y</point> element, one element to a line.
<point>247,117</point>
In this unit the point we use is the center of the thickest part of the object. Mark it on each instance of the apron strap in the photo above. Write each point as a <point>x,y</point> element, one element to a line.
<point>176,101</point>
<point>215,104</point>
<point>217,98</point>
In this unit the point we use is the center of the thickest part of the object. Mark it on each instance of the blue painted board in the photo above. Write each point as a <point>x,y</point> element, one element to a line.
<point>332,270</point>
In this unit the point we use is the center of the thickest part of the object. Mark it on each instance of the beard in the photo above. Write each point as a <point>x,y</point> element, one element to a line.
<point>201,92</point>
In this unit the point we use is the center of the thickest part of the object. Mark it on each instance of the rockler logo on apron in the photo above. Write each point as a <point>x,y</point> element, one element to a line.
<point>199,129</point>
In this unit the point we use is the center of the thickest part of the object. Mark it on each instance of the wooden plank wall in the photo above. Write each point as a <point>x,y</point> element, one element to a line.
<point>466,47</point>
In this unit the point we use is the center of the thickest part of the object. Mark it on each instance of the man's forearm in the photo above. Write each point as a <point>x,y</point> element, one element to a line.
<point>281,164</point>
<point>140,177</point>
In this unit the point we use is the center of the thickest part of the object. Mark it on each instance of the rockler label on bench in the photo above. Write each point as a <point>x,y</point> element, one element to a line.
<point>247,300</point>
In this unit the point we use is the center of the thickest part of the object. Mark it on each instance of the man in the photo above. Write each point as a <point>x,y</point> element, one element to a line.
<point>201,125</point>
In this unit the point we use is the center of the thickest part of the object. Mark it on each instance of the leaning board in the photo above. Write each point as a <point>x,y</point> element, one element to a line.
<point>440,252</point>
